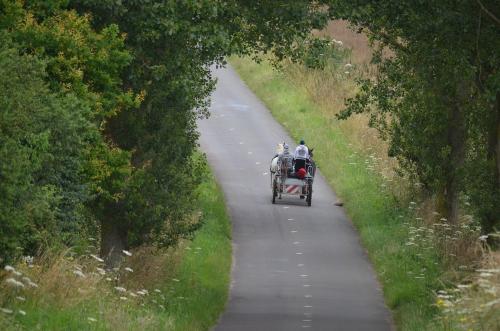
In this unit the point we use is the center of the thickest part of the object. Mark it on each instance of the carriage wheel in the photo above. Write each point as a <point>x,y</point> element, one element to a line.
<point>275,192</point>
<point>309,195</point>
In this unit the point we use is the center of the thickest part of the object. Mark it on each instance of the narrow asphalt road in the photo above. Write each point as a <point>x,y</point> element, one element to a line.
<point>295,266</point>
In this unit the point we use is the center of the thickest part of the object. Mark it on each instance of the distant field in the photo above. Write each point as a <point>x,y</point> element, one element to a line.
<point>358,42</point>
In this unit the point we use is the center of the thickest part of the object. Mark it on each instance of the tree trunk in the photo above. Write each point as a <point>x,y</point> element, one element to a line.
<point>495,141</point>
<point>113,239</point>
<point>494,160</point>
<point>456,139</point>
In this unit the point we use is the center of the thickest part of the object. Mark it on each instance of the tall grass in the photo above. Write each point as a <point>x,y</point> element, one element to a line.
<point>182,288</point>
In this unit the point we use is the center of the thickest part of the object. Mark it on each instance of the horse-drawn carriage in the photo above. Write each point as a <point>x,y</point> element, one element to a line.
<point>287,180</point>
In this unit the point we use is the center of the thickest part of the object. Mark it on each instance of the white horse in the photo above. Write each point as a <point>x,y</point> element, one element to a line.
<point>274,162</point>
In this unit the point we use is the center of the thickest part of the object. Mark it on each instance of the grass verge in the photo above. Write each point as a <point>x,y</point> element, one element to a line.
<point>184,288</point>
<point>409,273</point>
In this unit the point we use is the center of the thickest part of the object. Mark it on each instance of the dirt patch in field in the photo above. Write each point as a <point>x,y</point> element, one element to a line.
<point>357,42</point>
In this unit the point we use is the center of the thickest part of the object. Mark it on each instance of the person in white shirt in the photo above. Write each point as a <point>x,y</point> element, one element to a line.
<point>301,155</point>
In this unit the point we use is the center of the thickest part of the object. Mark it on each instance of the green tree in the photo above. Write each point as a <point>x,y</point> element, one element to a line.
<point>436,95</point>
<point>131,79</point>
<point>80,70</point>
<point>174,43</point>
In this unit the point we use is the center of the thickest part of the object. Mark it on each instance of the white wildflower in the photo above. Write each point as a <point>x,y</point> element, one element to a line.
<point>17,273</point>
<point>9,268</point>
<point>141,292</point>
<point>22,312</point>
<point>26,280</point>
<point>108,279</point>
<point>492,303</point>
<point>492,290</point>
<point>489,270</point>
<point>127,253</point>
<point>28,260</point>
<point>97,258</point>
<point>463,286</point>
<point>79,273</point>
<point>485,274</point>
<point>132,294</point>
<point>6,311</point>
<point>123,298</point>
<point>175,280</point>
<point>91,319</point>
<point>101,271</point>
<point>346,72</point>
<point>348,65</point>
<point>120,289</point>
<point>13,282</point>
<point>129,269</point>
<point>31,284</point>
<point>20,298</point>
<point>157,290</point>
<point>483,237</point>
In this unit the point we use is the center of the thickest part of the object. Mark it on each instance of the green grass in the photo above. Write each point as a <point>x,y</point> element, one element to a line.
<point>382,222</point>
<point>193,283</point>
<point>205,275</point>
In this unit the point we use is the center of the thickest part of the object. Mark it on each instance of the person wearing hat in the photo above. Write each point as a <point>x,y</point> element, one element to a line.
<point>301,155</point>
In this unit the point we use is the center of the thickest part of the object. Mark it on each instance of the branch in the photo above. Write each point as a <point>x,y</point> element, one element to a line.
<point>490,14</point>
<point>384,38</point>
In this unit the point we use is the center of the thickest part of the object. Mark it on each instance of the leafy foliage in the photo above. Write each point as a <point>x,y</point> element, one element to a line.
<point>436,95</point>
<point>122,84</point>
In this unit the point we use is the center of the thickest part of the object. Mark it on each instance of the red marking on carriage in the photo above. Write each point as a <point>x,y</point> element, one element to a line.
<point>292,189</point>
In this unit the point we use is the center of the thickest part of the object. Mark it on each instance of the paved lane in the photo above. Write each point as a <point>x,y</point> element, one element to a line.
<point>295,267</point>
